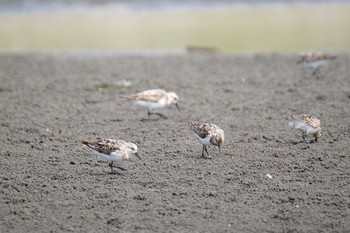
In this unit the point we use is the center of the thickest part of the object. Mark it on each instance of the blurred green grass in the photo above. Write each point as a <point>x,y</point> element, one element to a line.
<point>288,28</point>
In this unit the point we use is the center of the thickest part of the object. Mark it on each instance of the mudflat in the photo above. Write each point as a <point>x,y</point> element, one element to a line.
<point>266,179</point>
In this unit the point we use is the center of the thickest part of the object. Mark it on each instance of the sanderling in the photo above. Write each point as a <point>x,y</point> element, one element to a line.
<point>208,134</point>
<point>112,150</point>
<point>307,125</point>
<point>315,60</point>
<point>151,99</point>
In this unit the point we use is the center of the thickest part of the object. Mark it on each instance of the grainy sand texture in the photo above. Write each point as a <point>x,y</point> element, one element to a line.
<point>265,179</point>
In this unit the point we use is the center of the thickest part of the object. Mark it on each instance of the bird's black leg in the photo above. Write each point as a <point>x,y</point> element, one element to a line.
<point>316,139</point>
<point>111,166</point>
<point>205,149</point>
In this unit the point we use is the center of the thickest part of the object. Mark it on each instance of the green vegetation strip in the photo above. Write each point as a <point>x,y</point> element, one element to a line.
<point>276,28</point>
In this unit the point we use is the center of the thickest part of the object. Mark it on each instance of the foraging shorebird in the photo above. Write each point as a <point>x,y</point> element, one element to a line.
<point>152,99</point>
<point>207,134</point>
<point>112,150</point>
<point>315,60</point>
<point>307,124</point>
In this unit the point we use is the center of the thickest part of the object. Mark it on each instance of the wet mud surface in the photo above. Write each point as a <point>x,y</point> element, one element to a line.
<point>265,179</point>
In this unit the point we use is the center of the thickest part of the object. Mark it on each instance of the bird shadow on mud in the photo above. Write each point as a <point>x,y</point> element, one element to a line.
<point>206,158</point>
<point>302,142</point>
<point>148,119</point>
<point>107,174</point>
<point>153,119</point>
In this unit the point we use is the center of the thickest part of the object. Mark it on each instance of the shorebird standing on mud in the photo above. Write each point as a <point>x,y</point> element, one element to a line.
<point>307,125</point>
<point>152,99</point>
<point>315,60</point>
<point>207,134</point>
<point>112,150</point>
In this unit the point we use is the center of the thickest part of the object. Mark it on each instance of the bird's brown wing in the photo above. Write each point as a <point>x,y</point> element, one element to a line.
<point>202,130</point>
<point>149,95</point>
<point>105,146</point>
<point>311,120</point>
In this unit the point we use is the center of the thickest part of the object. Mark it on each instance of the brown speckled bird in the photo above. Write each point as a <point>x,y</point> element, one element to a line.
<point>207,134</point>
<point>112,150</point>
<point>307,124</point>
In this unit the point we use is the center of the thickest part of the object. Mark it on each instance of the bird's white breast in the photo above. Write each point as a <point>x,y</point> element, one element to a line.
<point>114,156</point>
<point>150,105</point>
<point>302,126</point>
<point>315,64</point>
<point>205,141</point>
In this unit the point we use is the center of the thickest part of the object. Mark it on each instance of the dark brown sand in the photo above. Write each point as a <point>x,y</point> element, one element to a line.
<point>51,183</point>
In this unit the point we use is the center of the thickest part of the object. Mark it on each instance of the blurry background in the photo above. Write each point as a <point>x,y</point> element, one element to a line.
<point>170,25</point>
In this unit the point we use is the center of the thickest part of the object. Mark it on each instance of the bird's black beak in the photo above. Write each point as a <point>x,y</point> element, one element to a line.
<point>178,108</point>
<point>137,156</point>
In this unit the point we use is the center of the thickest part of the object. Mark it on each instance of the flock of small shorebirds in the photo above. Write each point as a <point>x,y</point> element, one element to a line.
<point>207,133</point>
